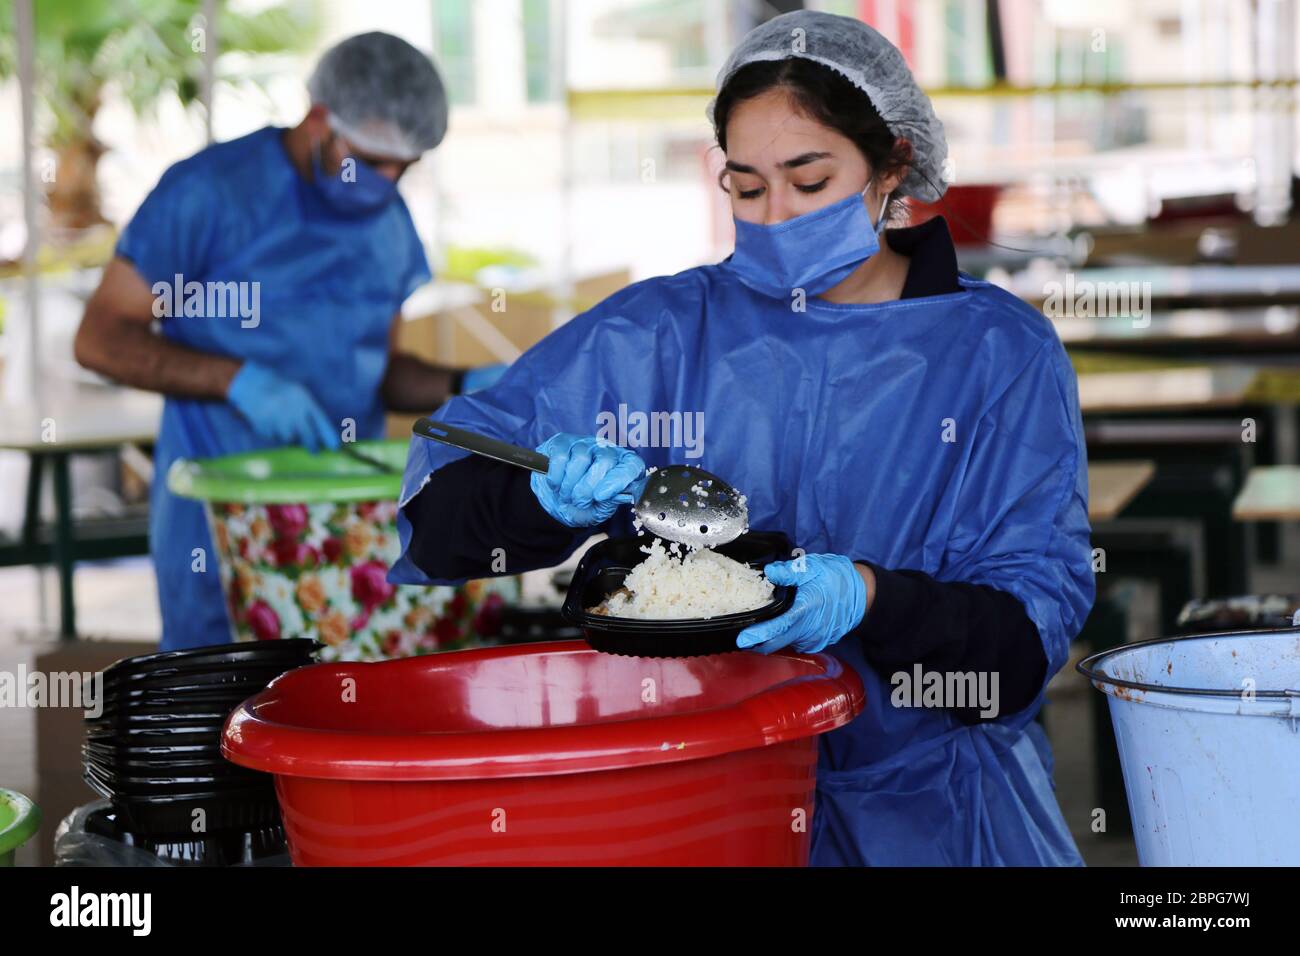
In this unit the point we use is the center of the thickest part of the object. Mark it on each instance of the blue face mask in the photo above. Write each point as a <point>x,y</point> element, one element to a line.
<point>368,192</point>
<point>813,252</point>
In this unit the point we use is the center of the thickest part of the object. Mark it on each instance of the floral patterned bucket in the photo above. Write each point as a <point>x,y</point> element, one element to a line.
<point>305,542</point>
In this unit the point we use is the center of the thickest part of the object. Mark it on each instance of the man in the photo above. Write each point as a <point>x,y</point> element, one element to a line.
<point>277,264</point>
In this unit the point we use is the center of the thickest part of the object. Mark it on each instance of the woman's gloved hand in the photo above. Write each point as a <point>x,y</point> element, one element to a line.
<point>588,479</point>
<point>280,410</point>
<point>830,601</point>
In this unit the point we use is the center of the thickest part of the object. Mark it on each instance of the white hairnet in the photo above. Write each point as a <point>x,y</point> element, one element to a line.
<point>872,64</point>
<point>384,95</point>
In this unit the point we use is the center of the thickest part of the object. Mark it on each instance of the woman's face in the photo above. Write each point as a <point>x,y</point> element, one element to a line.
<point>781,164</point>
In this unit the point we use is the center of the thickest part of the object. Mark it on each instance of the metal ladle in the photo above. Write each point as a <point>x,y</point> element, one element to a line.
<point>679,502</point>
<point>688,504</point>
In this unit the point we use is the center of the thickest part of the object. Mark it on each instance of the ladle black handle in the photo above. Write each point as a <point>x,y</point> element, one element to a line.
<point>482,445</point>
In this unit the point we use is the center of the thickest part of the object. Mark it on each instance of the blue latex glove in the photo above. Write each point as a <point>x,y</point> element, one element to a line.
<point>830,600</point>
<point>587,480</point>
<point>485,376</point>
<point>281,411</point>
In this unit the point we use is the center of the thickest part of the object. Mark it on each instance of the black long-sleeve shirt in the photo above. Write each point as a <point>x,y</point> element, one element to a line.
<point>474,506</point>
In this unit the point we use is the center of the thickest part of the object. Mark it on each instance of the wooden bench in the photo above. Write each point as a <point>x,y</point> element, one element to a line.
<point>1271,493</point>
<point>1113,484</point>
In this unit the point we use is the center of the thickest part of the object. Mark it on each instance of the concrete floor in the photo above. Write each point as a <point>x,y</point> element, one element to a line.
<point>1069,721</point>
<point>116,602</point>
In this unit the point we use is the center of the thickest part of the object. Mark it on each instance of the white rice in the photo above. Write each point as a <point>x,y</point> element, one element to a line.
<point>702,584</point>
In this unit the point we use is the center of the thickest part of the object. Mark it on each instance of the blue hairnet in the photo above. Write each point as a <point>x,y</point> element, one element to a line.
<point>384,95</point>
<point>872,64</point>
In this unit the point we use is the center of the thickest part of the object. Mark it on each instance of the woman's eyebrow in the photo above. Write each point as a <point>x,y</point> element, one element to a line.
<point>802,160</point>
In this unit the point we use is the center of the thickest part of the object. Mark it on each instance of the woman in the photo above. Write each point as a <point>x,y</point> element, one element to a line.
<point>915,431</point>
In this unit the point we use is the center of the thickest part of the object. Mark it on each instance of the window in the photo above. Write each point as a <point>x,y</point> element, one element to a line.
<point>537,51</point>
<point>453,44</point>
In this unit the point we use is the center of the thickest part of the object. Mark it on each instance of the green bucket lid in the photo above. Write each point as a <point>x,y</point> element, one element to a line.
<point>292,475</point>
<point>19,820</point>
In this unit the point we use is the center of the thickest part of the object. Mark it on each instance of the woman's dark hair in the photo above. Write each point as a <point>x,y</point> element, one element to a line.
<point>822,95</point>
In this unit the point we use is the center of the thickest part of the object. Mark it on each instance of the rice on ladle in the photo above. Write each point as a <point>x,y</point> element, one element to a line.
<point>700,584</point>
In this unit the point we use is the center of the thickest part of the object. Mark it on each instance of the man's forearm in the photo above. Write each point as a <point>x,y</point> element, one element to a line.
<point>133,354</point>
<point>413,385</point>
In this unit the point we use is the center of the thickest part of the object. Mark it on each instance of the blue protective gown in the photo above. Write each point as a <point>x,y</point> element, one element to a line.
<point>329,287</point>
<point>833,422</point>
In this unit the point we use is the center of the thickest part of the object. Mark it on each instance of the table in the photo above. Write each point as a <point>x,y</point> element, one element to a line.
<point>1271,493</point>
<point>74,420</point>
<point>1220,330</point>
<point>1192,242</point>
<point>1268,284</point>
<point>1168,389</point>
<point>1113,484</point>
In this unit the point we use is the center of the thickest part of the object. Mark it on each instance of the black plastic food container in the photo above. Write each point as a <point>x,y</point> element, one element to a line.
<point>263,845</point>
<point>154,749</point>
<point>603,568</point>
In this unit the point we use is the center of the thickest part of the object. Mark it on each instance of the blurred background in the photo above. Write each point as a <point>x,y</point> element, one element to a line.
<point>1107,146</point>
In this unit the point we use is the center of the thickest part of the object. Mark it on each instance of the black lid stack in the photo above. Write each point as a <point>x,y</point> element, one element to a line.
<point>155,752</point>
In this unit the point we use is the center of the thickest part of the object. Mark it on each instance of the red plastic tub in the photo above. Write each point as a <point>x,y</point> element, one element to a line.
<point>547,754</point>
